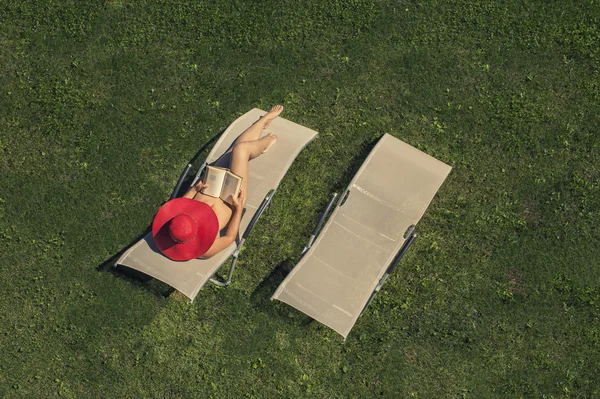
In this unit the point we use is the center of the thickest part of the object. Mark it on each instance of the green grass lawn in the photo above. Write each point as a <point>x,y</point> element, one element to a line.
<point>103,103</point>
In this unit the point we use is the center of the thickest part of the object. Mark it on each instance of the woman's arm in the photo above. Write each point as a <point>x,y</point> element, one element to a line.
<point>196,189</point>
<point>232,229</point>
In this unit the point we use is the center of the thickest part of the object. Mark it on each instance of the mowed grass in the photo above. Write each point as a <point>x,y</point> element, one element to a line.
<point>102,104</point>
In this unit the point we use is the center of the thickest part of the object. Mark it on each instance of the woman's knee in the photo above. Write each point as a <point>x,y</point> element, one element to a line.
<point>241,150</point>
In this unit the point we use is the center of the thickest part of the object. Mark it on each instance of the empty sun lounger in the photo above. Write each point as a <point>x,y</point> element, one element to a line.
<point>368,232</point>
<point>266,172</point>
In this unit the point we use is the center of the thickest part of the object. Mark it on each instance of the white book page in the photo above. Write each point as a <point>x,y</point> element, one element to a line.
<point>231,186</point>
<point>214,179</point>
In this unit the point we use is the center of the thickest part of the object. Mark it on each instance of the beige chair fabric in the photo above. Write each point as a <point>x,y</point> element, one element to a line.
<point>266,173</point>
<point>391,191</point>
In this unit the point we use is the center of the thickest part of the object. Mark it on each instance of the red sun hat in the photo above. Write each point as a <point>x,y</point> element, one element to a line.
<point>184,228</point>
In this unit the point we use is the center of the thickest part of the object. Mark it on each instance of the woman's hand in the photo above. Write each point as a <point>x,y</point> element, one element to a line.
<point>200,186</point>
<point>238,200</point>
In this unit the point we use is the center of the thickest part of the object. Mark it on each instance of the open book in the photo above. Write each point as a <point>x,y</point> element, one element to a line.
<point>222,183</point>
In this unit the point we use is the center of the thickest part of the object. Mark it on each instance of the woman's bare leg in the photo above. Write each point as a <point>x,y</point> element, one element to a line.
<point>243,152</point>
<point>254,131</point>
<point>249,145</point>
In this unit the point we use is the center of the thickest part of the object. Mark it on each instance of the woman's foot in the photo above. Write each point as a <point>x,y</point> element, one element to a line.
<point>270,139</point>
<point>272,114</point>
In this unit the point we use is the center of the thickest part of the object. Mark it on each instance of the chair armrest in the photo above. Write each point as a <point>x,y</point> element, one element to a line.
<point>344,197</point>
<point>180,181</point>
<point>390,269</point>
<point>198,175</point>
<point>401,253</point>
<point>322,218</point>
<point>259,212</point>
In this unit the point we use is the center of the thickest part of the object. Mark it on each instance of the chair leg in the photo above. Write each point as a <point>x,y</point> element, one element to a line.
<point>229,275</point>
<point>270,201</point>
<point>264,206</point>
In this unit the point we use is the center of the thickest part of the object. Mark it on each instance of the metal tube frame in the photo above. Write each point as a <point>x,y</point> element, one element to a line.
<point>322,218</point>
<point>391,268</point>
<point>180,181</point>
<point>265,204</point>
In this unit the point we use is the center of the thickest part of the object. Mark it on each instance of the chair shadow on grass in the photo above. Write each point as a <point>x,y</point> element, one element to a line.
<point>356,162</point>
<point>155,286</point>
<point>261,296</point>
